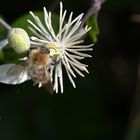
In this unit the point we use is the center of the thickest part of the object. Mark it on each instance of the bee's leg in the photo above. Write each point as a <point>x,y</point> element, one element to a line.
<point>35,83</point>
<point>55,59</point>
<point>39,84</point>
<point>27,53</point>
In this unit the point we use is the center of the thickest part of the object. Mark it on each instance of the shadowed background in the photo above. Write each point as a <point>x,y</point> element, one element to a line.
<point>103,104</point>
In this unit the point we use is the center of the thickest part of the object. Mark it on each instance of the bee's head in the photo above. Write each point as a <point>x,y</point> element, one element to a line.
<point>44,50</point>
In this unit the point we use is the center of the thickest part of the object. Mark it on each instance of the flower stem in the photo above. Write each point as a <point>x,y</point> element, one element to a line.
<point>6,25</point>
<point>93,10</point>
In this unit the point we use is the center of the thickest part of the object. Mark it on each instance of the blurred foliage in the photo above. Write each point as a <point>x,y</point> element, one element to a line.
<point>3,35</point>
<point>2,32</point>
<point>93,23</point>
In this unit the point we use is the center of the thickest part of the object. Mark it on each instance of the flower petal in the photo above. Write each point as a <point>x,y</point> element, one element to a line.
<point>11,79</point>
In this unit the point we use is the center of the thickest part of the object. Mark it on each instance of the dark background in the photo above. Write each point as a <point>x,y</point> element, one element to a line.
<point>105,104</point>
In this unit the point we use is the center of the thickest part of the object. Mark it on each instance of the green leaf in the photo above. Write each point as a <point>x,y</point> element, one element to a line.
<point>3,35</point>
<point>94,32</point>
<point>3,31</point>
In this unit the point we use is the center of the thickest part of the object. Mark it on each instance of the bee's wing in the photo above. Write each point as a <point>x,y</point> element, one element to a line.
<point>17,69</point>
<point>9,76</point>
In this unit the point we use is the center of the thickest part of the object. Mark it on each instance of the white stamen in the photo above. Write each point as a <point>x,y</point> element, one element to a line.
<point>67,49</point>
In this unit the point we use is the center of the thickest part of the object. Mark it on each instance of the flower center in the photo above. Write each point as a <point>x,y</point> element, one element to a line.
<point>54,49</point>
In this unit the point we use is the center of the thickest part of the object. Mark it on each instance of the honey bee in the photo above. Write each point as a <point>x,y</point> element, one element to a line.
<point>36,67</point>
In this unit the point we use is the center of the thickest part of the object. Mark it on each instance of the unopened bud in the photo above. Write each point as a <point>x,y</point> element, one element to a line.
<point>19,40</point>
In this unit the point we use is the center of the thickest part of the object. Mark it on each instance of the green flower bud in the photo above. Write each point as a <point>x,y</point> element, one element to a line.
<point>19,40</point>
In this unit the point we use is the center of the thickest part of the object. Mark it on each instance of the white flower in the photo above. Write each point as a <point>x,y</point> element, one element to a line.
<point>66,50</point>
<point>66,44</point>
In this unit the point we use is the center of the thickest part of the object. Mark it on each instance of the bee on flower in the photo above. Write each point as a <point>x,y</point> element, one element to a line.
<point>52,53</point>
